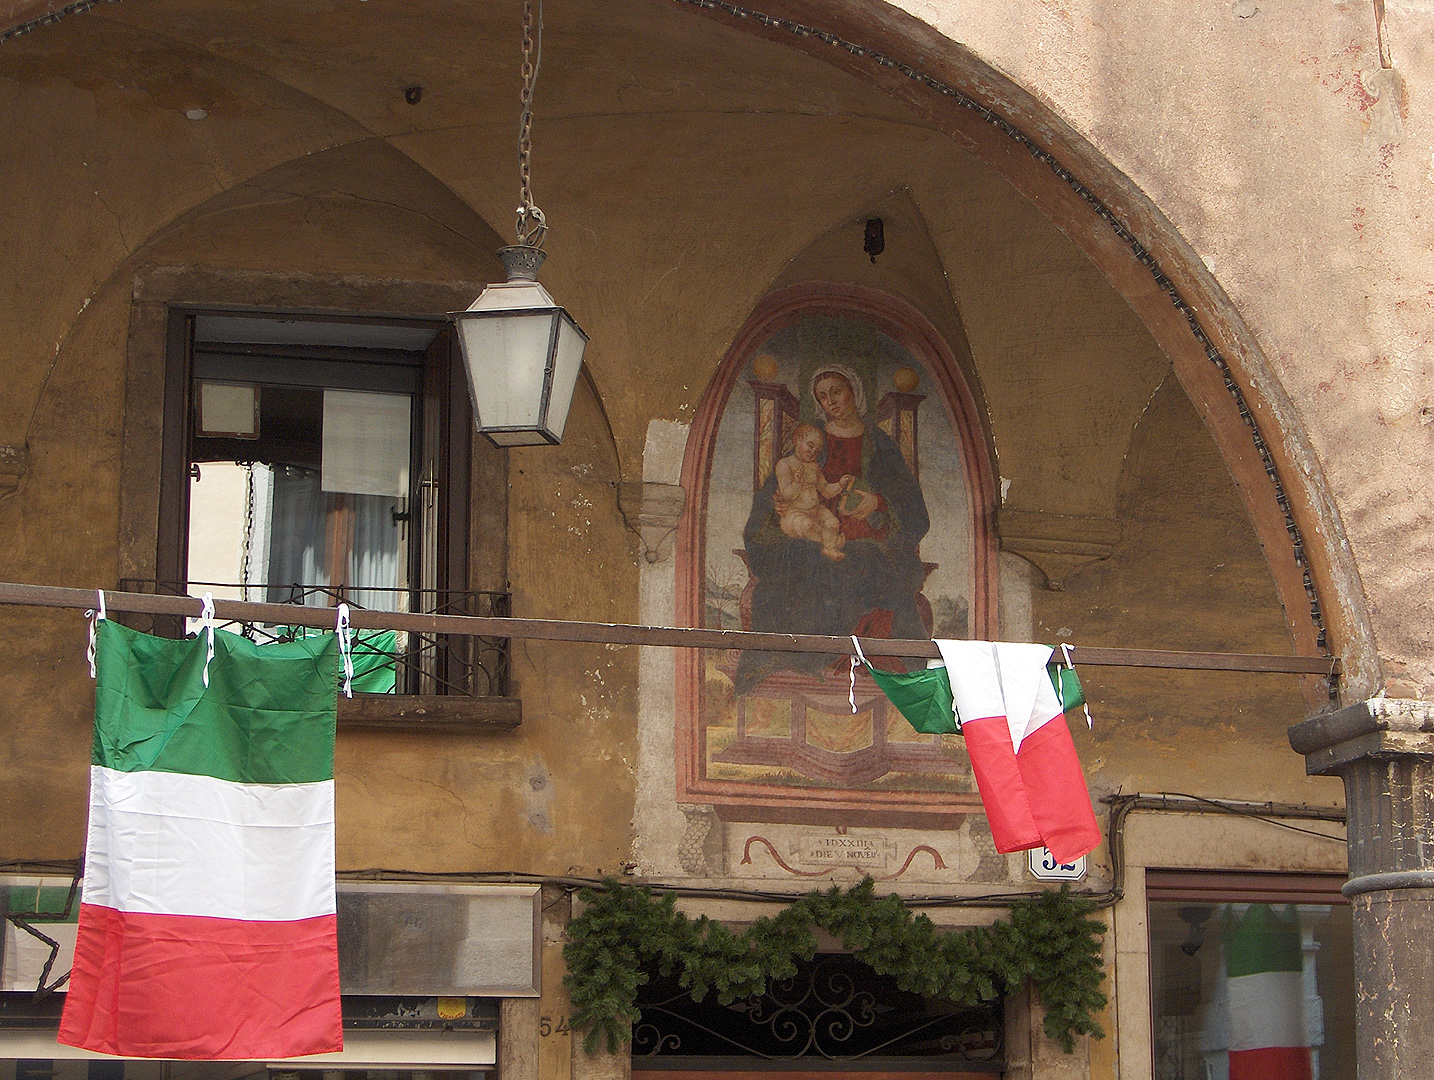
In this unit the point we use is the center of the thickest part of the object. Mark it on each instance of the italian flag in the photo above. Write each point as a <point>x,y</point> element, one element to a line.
<point>1031,782</point>
<point>1264,966</point>
<point>207,926</point>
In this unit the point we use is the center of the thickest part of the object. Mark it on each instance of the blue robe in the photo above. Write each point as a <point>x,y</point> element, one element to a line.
<point>801,591</point>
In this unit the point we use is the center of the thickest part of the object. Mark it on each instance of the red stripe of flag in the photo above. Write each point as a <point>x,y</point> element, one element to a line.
<point>1056,791</point>
<point>180,986</point>
<point>1271,1063</point>
<point>998,778</point>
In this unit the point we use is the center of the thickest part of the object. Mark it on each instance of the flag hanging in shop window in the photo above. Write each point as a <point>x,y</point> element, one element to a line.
<point>207,927</point>
<point>1264,966</point>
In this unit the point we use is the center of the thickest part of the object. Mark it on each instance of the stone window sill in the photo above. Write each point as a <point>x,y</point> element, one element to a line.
<point>451,714</point>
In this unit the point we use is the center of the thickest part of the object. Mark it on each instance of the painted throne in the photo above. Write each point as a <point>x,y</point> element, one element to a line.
<point>803,722</point>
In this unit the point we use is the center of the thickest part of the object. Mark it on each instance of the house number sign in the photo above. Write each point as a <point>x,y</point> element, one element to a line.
<point>1045,868</point>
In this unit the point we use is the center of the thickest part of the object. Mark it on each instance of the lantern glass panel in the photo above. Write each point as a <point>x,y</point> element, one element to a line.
<point>567,362</point>
<point>507,357</point>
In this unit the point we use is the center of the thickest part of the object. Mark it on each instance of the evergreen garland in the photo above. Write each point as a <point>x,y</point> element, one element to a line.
<point>1049,939</point>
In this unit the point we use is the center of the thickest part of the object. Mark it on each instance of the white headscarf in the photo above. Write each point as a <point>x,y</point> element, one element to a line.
<point>858,391</point>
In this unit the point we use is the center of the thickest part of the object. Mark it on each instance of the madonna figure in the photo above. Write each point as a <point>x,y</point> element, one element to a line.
<point>871,589</point>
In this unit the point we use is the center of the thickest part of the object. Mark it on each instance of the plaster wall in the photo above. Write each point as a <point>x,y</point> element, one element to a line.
<point>1279,150</point>
<point>685,178</point>
<point>690,166</point>
<point>438,803</point>
<point>1186,552</point>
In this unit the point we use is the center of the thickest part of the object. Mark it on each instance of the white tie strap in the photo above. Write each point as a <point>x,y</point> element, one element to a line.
<point>345,636</point>
<point>206,623</point>
<point>95,614</point>
<point>861,656</point>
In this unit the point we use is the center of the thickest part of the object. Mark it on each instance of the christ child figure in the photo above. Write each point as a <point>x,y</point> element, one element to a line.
<point>801,487</point>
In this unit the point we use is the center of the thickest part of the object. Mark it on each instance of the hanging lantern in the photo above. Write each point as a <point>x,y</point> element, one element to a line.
<point>521,350</point>
<point>523,353</point>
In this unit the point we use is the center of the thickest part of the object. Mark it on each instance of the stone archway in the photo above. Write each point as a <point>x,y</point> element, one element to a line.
<point>1214,354</point>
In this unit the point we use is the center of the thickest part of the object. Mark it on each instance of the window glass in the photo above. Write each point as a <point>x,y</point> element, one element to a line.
<point>1258,989</point>
<point>311,508</point>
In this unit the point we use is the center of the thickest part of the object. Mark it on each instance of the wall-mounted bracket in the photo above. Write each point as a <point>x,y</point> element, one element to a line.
<point>1058,545</point>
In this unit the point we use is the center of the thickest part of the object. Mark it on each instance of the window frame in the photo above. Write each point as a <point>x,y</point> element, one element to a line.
<point>1190,843</point>
<point>433,386</point>
<point>1212,888</point>
<point>153,525</point>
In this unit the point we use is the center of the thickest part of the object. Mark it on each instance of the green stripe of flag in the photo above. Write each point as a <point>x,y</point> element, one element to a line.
<point>267,716</point>
<point>1262,941</point>
<point>924,696</point>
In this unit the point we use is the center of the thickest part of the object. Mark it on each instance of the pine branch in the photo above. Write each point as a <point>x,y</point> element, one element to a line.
<point>1050,940</point>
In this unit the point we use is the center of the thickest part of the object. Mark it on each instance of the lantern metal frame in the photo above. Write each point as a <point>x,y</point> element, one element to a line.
<point>522,263</point>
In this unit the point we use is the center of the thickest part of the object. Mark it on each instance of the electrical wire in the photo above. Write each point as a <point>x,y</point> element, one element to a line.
<point>1239,810</point>
<point>1121,807</point>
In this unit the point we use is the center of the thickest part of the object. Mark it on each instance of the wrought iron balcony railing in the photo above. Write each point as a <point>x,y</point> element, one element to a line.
<point>423,664</point>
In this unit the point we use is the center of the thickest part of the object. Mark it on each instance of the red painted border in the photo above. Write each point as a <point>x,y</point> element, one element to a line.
<point>902,322</point>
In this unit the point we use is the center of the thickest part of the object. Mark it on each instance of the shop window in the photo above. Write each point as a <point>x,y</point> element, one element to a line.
<point>1251,975</point>
<point>313,461</point>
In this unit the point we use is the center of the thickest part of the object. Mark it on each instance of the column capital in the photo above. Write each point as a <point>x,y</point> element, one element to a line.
<point>1378,729</point>
<point>1383,749</point>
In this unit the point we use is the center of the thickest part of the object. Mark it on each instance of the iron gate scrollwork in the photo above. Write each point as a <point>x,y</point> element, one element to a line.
<point>835,1007</point>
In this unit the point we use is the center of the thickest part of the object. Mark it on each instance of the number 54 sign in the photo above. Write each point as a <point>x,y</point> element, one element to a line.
<point>546,1028</point>
<point>1045,868</point>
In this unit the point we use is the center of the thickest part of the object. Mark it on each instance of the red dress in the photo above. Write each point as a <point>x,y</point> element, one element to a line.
<point>844,459</point>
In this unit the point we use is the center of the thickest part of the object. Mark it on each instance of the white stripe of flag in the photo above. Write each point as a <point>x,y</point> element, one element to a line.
<point>183,844</point>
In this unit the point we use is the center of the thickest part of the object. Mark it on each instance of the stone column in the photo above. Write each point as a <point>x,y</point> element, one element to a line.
<point>1030,1055</point>
<point>600,1065</point>
<point>1384,751</point>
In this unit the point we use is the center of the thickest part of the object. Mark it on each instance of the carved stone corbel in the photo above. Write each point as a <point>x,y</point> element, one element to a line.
<point>1057,544</point>
<point>652,511</point>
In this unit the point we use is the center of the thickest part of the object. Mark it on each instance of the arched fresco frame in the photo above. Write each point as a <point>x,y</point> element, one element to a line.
<point>904,324</point>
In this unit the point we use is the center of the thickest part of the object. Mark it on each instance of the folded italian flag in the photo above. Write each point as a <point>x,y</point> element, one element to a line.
<point>1031,783</point>
<point>1264,967</point>
<point>207,926</point>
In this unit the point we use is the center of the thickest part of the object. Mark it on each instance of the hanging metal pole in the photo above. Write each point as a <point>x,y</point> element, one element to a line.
<point>629,634</point>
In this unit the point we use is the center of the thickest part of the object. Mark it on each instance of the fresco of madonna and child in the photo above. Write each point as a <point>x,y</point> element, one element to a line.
<point>837,504</point>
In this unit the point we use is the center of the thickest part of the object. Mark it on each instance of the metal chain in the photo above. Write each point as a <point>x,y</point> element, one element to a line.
<point>245,564</point>
<point>532,226</point>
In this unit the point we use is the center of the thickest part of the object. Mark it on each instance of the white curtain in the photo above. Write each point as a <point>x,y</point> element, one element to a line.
<point>298,534</point>
<point>375,570</point>
<point>298,543</point>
